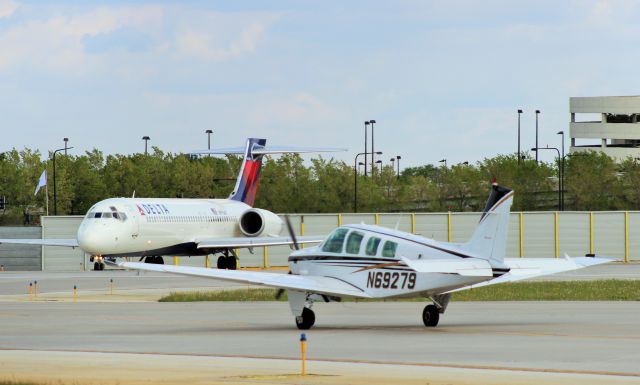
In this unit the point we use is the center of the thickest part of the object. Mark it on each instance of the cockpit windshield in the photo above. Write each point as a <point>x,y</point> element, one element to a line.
<point>334,242</point>
<point>119,215</point>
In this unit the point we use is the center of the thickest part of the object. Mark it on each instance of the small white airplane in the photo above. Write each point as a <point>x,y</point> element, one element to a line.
<point>364,261</point>
<point>152,227</point>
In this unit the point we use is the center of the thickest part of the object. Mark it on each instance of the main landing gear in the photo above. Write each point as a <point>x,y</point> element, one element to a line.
<point>227,261</point>
<point>431,313</point>
<point>157,260</point>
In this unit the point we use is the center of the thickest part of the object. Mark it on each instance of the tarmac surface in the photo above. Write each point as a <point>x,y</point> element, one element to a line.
<point>129,338</point>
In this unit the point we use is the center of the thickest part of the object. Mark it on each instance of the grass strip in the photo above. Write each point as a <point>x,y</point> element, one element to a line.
<point>600,290</point>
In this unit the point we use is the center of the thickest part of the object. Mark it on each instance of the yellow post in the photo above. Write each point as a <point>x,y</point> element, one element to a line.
<point>175,261</point>
<point>111,286</point>
<point>302,229</point>
<point>521,228</point>
<point>626,237</point>
<point>591,232</point>
<point>377,218</point>
<point>75,293</point>
<point>206,262</point>
<point>449,235</point>
<point>303,351</point>
<point>30,291</point>
<point>556,230</point>
<point>35,288</point>
<point>266,257</point>
<point>339,220</point>
<point>413,223</point>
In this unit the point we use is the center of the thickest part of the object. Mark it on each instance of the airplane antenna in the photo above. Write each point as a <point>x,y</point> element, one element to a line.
<point>134,194</point>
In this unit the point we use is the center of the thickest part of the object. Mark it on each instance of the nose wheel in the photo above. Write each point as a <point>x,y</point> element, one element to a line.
<point>306,320</point>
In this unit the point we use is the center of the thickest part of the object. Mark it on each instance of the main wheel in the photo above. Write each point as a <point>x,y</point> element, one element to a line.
<point>430,316</point>
<point>306,320</point>
<point>222,262</point>
<point>232,262</point>
<point>101,266</point>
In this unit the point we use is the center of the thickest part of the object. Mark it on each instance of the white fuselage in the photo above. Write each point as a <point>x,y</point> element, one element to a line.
<point>379,271</point>
<point>150,226</point>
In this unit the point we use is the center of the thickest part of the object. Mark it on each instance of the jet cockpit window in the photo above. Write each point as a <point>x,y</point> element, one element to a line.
<point>353,242</point>
<point>389,249</point>
<point>106,215</point>
<point>98,215</point>
<point>372,246</point>
<point>333,244</point>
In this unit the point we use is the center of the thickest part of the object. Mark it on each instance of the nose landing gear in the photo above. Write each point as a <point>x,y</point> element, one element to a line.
<point>98,262</point>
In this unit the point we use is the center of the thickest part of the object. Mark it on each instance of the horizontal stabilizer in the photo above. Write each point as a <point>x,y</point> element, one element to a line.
<point>526,268</point>
<point>306,283</point>
<point>466,267</point>
<point>257,150</point>
<point>247,242</point>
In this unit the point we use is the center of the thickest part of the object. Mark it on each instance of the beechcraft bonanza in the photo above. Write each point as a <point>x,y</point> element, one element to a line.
<point>151,227</point>
<point>364,261</point>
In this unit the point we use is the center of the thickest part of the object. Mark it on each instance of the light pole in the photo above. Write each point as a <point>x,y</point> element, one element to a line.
<point>66,141</point>
<point>55,192</point>
<point>380,163</point>
<point>537,113</point>
<point>398,157</point>
<point>360,164</point>
<point>393,163</point>
<point>373,151</point>
<point>366,128</point>
<point>355,178</point>
<point>146,139</point>
<point>208,132</point>
<point>562,179</point>
<point>519,152</point>
<point>536,149</point>
<point>444,161</point>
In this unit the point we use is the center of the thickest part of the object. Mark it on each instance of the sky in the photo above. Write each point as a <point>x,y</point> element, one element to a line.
<point>443,79</point>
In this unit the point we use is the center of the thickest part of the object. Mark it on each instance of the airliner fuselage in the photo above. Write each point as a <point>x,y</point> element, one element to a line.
<point>149,227</point>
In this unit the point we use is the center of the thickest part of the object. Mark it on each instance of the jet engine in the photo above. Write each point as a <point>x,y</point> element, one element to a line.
<point>254,222</point>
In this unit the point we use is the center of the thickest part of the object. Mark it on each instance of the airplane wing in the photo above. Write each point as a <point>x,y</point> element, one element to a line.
<point>526,268</point>
<point>42,242</point>
<point>314,284</point>
<point>248,242</point>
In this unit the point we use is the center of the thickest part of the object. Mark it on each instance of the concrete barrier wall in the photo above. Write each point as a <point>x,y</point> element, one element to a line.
<point>531,234</point>
<point>19,257</point>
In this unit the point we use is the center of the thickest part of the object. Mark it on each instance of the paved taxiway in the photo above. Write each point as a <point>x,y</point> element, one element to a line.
<point>577,337</point>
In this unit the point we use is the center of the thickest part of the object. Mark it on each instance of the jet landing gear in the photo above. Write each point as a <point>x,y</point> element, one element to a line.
<point>227,261</point>
<point>431,313</point>
<point>157,260</point>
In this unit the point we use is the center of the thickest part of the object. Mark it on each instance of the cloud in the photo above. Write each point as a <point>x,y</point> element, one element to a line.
<point>101,39</point>
<point>7,8</point>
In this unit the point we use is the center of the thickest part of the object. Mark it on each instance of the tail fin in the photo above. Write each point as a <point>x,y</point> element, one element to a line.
<point>249,176</point>
<point>490,237</point>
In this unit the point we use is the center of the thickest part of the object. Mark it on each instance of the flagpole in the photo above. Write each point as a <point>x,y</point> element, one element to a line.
<point>46,191</point>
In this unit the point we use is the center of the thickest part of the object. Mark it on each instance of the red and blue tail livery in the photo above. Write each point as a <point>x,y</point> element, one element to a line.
<point>249,177</point>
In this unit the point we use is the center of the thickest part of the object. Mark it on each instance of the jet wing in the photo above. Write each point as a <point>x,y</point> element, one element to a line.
<point>526,268</point>
<point>248,242</point>
<point>42,242</point>
<point>468,267</point>
<point>314,284</point>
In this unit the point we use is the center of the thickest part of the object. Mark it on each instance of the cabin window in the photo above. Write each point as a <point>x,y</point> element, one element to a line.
<point>372,246</point>
<point>333,244</point>
<point>353,242</point>
<point>389,249</point>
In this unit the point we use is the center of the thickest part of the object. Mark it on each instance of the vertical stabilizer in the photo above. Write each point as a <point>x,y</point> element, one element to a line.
<point>489,240</point>
<point>249,176</point>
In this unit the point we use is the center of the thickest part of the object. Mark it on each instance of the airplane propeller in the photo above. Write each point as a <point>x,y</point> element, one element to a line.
<point>296,246</point>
